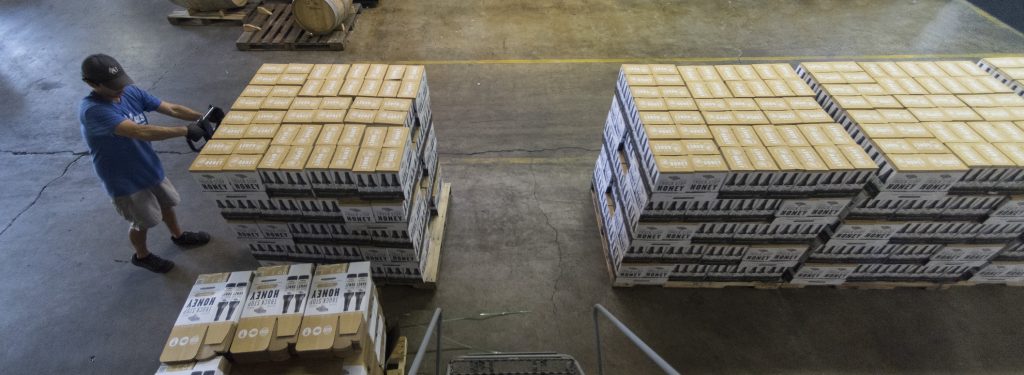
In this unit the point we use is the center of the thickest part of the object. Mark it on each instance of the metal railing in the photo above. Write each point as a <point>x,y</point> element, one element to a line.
<point>435,325</point>
<point>600,310</point>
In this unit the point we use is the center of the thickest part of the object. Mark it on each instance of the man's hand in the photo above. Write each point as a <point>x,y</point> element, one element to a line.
<point>178,111</point>
<point>199,129</point>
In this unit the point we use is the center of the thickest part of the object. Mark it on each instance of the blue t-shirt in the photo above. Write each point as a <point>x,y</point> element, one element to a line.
<point>125,165</point>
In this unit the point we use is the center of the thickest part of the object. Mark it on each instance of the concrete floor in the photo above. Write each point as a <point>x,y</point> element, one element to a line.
<point>518,142</point>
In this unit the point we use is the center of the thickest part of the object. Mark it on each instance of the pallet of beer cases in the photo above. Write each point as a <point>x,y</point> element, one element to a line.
<point>757,175</point>
<point>944,205</point>
<point>327,163</point>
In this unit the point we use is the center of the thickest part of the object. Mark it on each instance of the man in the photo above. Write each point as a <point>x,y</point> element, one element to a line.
<point>117,131</point>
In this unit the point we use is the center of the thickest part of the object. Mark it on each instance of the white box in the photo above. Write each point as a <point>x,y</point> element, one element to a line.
<point>971,255</point>
<point>783,256</point>
<point>823,274</point>
<point>1000,272</point>
<point>206,323</point>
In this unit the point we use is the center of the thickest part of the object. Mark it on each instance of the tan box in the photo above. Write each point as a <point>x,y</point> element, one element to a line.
<point>699,90</point>
<point>228,131</point>
<point>686,118</point>
<point>376,71</point>
<point>238,118</point>
<point>273,311</point>
<point>207,171</point>
<point>320,71</point>
<point>247,103</point>
<point>307,135</point>
<point>330,327</point>
<point>741,104</point>
<point>277,103</point>
<point>718,89</point>
<point>772,104</point>
<point>656,132</point>
<point>374,137</point>
<point>268,117</point>
<point>360,116</point>
<point>700,147</point>
<point>330,134</point>
<point>711,105</point>
<point>322,116</point>
<point>330,87</point>
<point>650,104</point>
<point>785,159</point>
<point>335,103</point>
<point>370,87</point>
<point>352,135</point>
<point>285,91</point>
<point>219,147</point>
<point>760,158</point>
<point>256,90</point>
<point>251,146</point>
<point>285,135</point>
<point>338,71</point>
<point>668,80</point>
<point>264,79</point>
<point>945,101</point>
<point>759,89</point>
<point>351,87</point>
<point>740,89</point>
<point>667,148</point>
<point>262,131</point>
<point>694,131</point>
<point>782,117</point>
<point>299,116</point>
<point>716,118</point>
<point>200,331</point>
<point>769,135</point>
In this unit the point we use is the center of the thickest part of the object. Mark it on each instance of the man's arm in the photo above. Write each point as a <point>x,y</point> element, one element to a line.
<point>130,129</point>
<point>178,111</point>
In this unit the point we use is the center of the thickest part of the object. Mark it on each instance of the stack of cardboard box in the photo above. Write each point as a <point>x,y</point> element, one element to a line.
<point>329,162</point>
<point>719,173</point>
<point>949,142</point>
<point>1008,70</point>
<point>278,312</point>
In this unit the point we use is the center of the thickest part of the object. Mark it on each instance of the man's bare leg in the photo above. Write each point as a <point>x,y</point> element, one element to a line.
<point>171,220</point>
<point>138,238</point>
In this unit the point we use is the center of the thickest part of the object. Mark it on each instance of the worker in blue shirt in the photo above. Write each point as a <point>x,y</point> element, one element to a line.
<point>117,131</point>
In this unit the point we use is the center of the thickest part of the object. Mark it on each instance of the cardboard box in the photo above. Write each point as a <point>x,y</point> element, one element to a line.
<point>1000,273</point>
<point>272,250</point>
<point>239,205</point>
<point>341,304</point>
<point>215,366</point>
<point>971,255</point>
<point>206,324</point>
<point>822,274</point>
<point>273,311</point>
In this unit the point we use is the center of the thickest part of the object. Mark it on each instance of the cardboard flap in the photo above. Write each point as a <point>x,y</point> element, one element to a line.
<point>253,334</point>
<point>350,332</point>
<point>288,325</point>
<point>317,333</point>
<point>219,333</point>
<point>183,343</point>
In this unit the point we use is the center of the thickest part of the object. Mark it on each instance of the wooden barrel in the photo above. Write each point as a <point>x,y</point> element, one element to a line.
<point>320,16</point>
<point>209,5</point>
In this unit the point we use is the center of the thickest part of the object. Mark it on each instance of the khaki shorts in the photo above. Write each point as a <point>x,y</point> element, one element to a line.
<point>143,209</point>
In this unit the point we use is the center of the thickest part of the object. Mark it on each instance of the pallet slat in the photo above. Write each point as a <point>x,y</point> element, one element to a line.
<point>184,17</point>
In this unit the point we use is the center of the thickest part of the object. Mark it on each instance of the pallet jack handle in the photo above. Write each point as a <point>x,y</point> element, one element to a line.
<point>600,310</point>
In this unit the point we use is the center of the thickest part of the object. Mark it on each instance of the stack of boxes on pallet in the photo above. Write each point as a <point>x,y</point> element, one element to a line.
<point>949,142</point>
<point>1008,70</point>
<point>327,163</point>
<point>719,173</point>
<point>275,313</point>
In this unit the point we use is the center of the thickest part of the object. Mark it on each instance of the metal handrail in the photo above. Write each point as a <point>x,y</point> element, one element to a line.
<point>632,337</point>
<point>435,323</point>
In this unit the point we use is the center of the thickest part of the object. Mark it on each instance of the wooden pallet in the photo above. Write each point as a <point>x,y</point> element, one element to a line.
<point>279,32</point>
<point>603,234</point>
<point>435,230</point>
<point>185,17</point>
<point>723,284</point>
<point>396,361</point>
